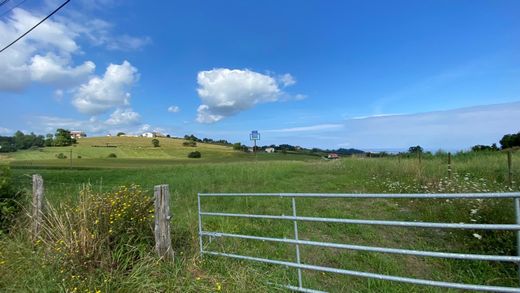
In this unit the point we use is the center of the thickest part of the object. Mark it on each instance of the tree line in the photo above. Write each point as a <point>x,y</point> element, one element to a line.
<point>21,141</point>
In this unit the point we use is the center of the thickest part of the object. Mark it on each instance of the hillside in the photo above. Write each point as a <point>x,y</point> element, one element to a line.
<point>132,152</point>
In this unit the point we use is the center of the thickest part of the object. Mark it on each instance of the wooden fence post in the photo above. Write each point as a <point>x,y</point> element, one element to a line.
<point>162,222</point>
<point>37,205</point>
<point>509,166</point>
<point>449,166</point>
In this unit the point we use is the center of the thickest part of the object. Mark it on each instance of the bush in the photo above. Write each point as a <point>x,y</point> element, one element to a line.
<point>9,200</point>
<point>155,143</point>
<point>79,157</point>
<point>189,143</point>
<point>103,231</point>
<point>61,156</point>
<point>195,154</point>
<point>112,155</point>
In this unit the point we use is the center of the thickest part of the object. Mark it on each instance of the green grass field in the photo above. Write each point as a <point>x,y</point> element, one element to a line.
<point>134,152</point>
<point>230,171</point>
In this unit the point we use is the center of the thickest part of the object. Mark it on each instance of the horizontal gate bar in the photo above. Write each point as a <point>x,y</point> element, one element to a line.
<point>373,195</point>
<point>371,275</point>
<point>465,256</point>
<point>373,222</point>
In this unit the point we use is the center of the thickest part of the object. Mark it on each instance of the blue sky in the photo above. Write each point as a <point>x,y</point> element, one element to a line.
<point>375,75</point>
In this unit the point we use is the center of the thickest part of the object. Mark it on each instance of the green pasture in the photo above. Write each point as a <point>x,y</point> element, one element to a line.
<point>482,172</point>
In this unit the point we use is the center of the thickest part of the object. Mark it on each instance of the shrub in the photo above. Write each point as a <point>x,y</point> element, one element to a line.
<point>189,143</point>
<point>112,155</point>
<point>79,157</point>
<point>155,143</point>
<point>61,156</point>
<point>104,231</point>
<point>194,154</point>
<point>9,200</point>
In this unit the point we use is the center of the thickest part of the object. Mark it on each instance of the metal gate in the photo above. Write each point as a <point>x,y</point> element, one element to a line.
<point>297,242</point>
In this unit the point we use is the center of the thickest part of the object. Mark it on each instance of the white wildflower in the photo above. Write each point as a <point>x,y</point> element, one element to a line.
<point>478,236</point>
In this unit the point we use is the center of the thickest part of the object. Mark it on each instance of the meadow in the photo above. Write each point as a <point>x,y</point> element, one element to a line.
<point>24,267</point>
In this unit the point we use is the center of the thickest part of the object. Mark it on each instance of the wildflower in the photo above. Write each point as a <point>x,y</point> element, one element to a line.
<point>197,278</point>
<point>478,236</point>
<point>219,286</point>
<point>473,211</point>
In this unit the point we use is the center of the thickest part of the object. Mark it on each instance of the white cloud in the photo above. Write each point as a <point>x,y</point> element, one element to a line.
<point>100,94</point>
<point>52,69</point>
<point>126,42</point>
<point>125,120</point>
<point>318,127</point>
<point>5,131</point>
<point>23,62</point>
<point>458,128</point>
<point>174,109</point>
<point>287,80</point>
<point>225,92</point>
<point>123,117</point>
<point>46,54</point>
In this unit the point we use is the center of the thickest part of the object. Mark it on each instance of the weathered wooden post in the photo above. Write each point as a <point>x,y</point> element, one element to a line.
<point>509,166</point>
<point>449,166</point>
<point>162,222</point>
<point>37,205</point>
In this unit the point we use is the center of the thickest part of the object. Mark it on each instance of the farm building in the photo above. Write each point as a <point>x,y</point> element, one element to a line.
<point>77,134</point>
<point>269,150</point>
<point>153,134</point>
<point>332,156</point>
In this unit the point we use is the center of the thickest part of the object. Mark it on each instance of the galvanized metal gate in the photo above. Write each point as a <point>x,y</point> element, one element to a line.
<point>297,242</point>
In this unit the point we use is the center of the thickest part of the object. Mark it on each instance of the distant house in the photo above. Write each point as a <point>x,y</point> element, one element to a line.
<point>77,134</point>
<point>269,150</point>
<point>332,156</point>
<point>153,134</point>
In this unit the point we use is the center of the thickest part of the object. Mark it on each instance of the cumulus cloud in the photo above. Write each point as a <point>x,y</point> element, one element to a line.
<point>23,63</point>
<point>53,69</point>
<point>174,109</point>
<point>225,92</point>
<point>111,90</point>
<point>125,120</point>
<point>46,54</point>
<point>123,117</point>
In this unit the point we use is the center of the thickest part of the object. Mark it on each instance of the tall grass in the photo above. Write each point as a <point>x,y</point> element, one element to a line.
<point>191,273</point>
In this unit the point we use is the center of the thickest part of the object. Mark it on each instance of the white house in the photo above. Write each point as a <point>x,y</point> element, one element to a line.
<point>269,150</point>
<point>153,134</point>
<point>77,134</point>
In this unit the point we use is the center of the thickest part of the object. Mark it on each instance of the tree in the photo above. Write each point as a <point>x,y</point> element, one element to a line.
<point>415,149</point>
<point>155,143</point>
<point>479,148</point>
<point>510,140</point>
<point>237,146</point>
<point>63,138</point>
<point>121,133</point>
<point>49,140</point>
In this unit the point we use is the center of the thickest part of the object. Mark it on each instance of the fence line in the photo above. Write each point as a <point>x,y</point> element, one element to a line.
<point>297,242</point>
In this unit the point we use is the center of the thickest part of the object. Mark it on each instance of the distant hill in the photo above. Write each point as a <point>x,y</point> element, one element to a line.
<point>133,151</point>
<point>346,152</point>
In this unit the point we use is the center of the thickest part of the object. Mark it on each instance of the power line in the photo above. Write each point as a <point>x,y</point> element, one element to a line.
<point>19,3</point>
<point>52,13</point>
